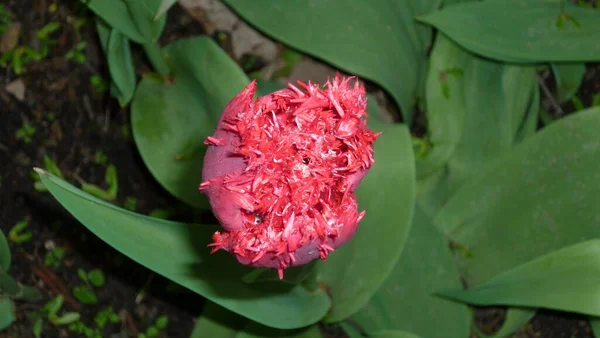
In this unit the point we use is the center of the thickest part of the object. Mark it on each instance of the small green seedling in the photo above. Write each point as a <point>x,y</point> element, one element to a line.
<point>98,83</point>
<point>50,117</point>
<point>94,277</point>
<point>106,316</point>
<point>100,157</point>
<point>111,180</point>
<point>130,203</point>
<point>85,293</point>
<point>20,56</point>
<point>25,133</point>
<point>103,317</point>
<point>77,23</point>
<point>84,330</point>
<point>54,257</point>
<point>155,330</point>
<point>50,312</point>
<point>43,36</point>
<point>77,53</point>
<point>16,234</point>
<point>52,168</point>
<point>6,18</point>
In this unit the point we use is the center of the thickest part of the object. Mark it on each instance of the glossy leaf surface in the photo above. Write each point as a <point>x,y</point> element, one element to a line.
<point>179,252</point>
<point>170,121</point>
<point>378,40</point>
<point>406,302</point>
<point>387,194</point>
<point>477,110</point>
<point>522,30</point>
<point>566,280</point>
<point>116,14</point>
<point>120,66</point>
<point>540,197</point>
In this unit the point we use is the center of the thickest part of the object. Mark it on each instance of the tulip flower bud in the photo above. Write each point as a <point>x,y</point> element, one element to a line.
<point>280,172</point>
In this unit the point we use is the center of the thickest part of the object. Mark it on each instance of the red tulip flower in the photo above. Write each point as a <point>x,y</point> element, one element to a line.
<point>280,172</point>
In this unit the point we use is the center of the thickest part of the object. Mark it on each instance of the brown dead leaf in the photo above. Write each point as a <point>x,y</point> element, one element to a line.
<point>10,37</point>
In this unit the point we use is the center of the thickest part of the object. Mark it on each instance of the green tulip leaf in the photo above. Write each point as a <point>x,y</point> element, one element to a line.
<point>7,313</point>
<point>515,318</point>
<point>179,252</point>
<point>216,321</point>
<point>387,195</point>
<point>488,108</point>
<point>568,77</point>
<point>170,121</point>
<point>406,302</point>
<point>367,38</point>
<point>567,280</point>
<point>120,66</point>
<point>445,100</point>
<point>145,15</point>
<point>523,31</point>
<point>538,198</point>
<point>116,14</point>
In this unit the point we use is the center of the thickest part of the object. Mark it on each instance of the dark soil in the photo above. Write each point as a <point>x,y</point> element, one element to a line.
<point>72,121</point>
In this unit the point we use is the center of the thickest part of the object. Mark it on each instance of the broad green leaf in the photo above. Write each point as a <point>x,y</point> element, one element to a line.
<point>567,280</point>
<point>7,313</point>
<point>538,198</point>
<point>515,318</point>
<point>445,102</point>
<point>5,256</point>
<point>406,302</point>
<point>145,16</point>
<point>170,121</point>
<point>387,194</point>
<point>217,321</point>
<point>378,40</point>
<point>120,66</point>
<point>524,31</point>
<point>179,252</point>
<point>568,77</point>
<point>486,110</point>
<point>117,15</point>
